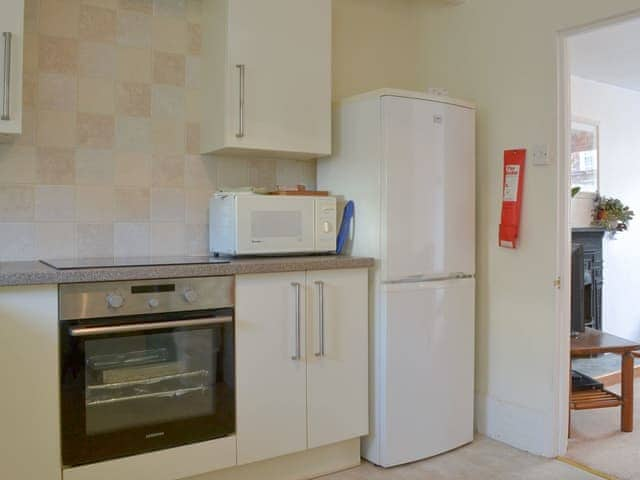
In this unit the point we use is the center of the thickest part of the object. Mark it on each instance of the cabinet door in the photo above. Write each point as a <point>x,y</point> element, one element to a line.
<point>271,368</point>
<point>11,22</point>
<point>337,362</point>
<point>285,47</point>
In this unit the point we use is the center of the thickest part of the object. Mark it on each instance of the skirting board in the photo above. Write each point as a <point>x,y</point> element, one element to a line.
<point>518,426</point>
<point>297,466</point>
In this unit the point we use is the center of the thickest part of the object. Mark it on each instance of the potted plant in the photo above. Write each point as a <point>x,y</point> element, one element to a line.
<point>611,214</point>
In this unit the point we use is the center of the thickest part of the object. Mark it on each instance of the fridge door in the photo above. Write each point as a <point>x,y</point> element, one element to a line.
<point>429,188</point>
<point>428,369</point>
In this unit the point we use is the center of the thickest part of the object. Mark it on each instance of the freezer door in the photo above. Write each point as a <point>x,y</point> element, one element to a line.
<point>429,188</point>
<point>428,389</point>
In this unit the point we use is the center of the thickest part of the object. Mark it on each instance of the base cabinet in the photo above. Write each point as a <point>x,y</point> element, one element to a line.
<point>302,365</point>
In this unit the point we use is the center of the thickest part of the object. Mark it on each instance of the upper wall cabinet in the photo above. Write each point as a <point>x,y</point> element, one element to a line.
<point>11,44</point>
<point>267,78</point>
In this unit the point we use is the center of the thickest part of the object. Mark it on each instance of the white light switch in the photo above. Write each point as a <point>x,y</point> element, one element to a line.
<point>540,155</point>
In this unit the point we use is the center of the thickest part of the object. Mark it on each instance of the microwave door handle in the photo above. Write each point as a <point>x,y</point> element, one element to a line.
<point>145,327</point>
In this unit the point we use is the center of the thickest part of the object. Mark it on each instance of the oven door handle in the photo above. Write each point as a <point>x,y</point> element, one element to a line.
<point>144,327</point>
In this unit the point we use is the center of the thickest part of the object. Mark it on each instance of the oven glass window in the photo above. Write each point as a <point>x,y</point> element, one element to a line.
<point>153,378</point>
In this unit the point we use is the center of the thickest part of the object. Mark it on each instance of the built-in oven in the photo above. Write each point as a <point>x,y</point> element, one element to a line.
<point>145,365</point>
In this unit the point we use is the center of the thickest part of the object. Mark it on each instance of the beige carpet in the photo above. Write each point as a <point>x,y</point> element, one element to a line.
<point>597,441</point>
<point>482,460</point>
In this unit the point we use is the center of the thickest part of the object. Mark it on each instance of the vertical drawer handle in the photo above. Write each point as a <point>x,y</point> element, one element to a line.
<point>297,325</point>
<point>6,92</point>
<point>241,70</point>
<point>321,328</point>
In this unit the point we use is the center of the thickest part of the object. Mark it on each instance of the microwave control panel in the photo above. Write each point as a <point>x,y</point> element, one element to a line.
<point>326,219</point>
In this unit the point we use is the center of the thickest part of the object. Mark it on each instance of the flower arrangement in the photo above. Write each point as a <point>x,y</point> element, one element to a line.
<point>611,214</point>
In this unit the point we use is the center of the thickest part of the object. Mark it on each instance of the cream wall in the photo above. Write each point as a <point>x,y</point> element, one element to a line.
<point>502,55</point>
<point>375,45</point>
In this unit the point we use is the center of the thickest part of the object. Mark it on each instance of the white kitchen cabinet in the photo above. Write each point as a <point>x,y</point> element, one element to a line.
<point>11,46</point>
<point>271,370</point>
<point>337,367</point>
<point>302,364</point>
<point>266,83</point>
<point>30,400</point>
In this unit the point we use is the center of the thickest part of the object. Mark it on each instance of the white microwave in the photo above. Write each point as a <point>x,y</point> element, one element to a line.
<point>252,224</point>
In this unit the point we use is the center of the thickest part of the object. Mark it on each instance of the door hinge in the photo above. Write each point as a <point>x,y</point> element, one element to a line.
<point>557,283</point>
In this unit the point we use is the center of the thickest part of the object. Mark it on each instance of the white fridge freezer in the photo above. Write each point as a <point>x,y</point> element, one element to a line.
<point>407,160</point>
<point>427,357</point>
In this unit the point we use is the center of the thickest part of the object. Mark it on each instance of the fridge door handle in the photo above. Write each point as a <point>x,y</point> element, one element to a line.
<point>435,278</point>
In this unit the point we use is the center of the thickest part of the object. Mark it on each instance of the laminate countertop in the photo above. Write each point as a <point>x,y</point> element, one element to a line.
<point>36,273</point>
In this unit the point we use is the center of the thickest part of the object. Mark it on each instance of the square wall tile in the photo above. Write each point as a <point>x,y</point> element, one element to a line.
<point>29,125</point>
<point>18,164</point>
<point>56,166</point>
<point>16,203</point>
<point>168,136</point>
<point>169,68</point>
<point>194,39</point>
<point>194,10</point>
<point>134,64</point>
<point>97,24</point>
<point>169,34</point>
<point>167,205</point>
<point>201,171</point>
<point>94,240</point>
<point>17,241</point>
<point>57,92</point>
<point>133,134</point>
<point>141,6</point>
<point>97,60</point>
<point>94,166</point>
<point>30,53</point>
<point>132,204</point>
<point>59,17</point>
<point>56,129</point>
<point>167,239</point>
<point>168,102</point>
<point>55,240</point>
<point>168,170</point>
<point>55,203</point>
<point>132,169</point>
<point>96,95</point>
<point>232,172</point>
<point>29,90</point>
<point>193,138</point>
<point>176,8</point>
<point>94,204</point>
<point>58,55</point>
<point>197,240</point>
<point>197,206</point>
<point>95,130</point>
<point>132,239</point>
<point>110,4</point>
<point>134,29</point>
<point>134,99</point>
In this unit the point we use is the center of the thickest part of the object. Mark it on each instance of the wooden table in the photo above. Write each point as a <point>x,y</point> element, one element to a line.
<point>593,342</point>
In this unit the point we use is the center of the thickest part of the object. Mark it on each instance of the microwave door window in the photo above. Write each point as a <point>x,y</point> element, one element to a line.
<point>276,224</point>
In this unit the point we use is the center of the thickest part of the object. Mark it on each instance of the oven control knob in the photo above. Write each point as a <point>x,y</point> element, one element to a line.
<point>115,300</point>
<point>154,303</point>
<point>190,295</point>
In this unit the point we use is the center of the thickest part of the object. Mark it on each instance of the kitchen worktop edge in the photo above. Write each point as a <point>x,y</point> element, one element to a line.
<point>36,273</point>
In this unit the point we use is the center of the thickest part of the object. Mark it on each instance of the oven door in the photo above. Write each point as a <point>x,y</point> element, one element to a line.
<point>138,384</point>
<point>272,224</point>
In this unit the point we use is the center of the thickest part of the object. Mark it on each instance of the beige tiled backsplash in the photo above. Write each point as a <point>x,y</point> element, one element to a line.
<point>108,162</point>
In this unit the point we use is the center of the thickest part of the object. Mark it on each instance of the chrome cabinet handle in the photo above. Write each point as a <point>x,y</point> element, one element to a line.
<point>241,76</point>
<point>145,327</point>
<point>321,349</point>
<point>6,93</point>
<point>297,325</point>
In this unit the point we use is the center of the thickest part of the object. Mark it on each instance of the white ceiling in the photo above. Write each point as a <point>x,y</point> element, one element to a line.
<point>609,55</point>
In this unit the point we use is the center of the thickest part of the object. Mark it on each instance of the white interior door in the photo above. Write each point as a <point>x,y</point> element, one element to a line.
<point>337,366</point>
<point>429,152</point>
<point>271,384</point>
<point>429,374</point>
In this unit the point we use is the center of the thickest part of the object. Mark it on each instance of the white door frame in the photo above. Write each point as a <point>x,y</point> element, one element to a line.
<point>563,228</point>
